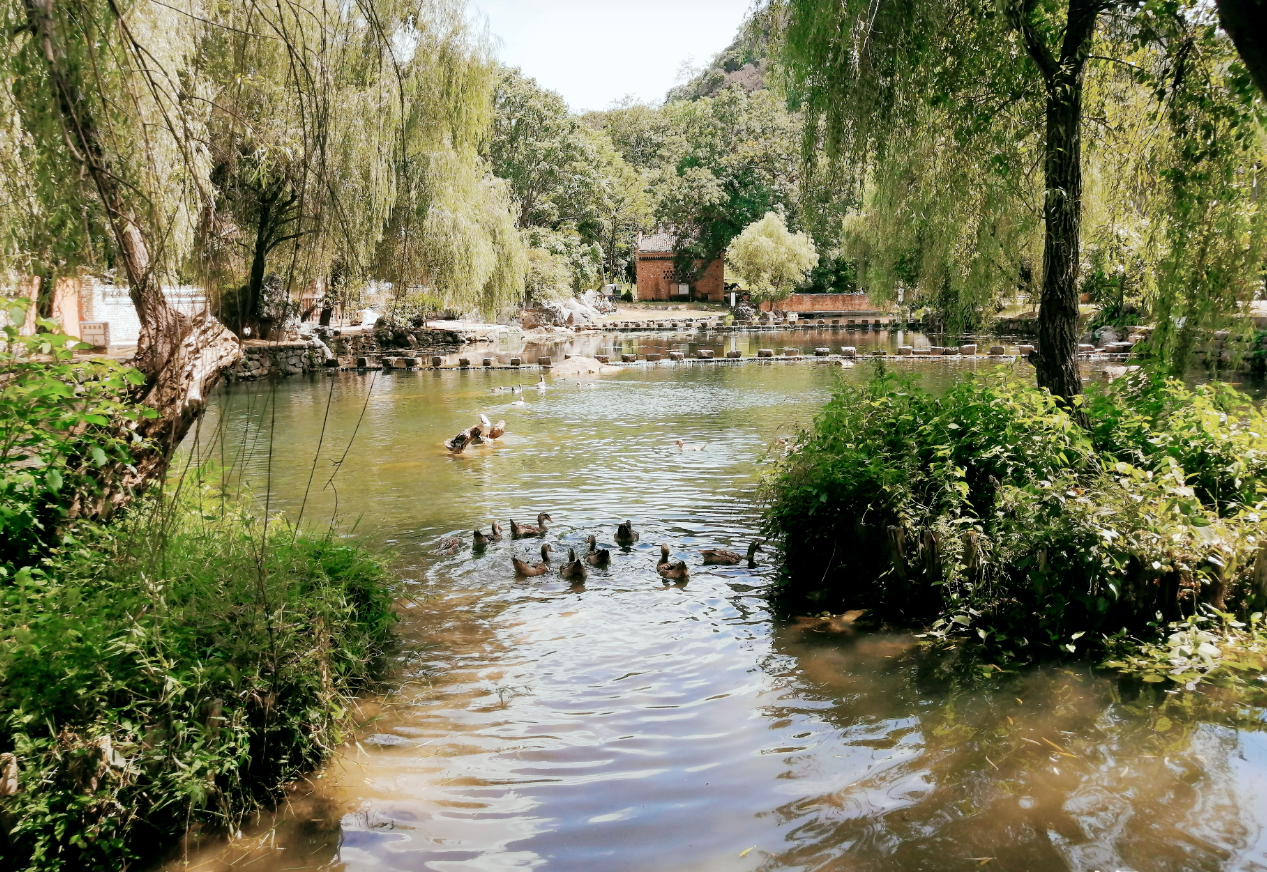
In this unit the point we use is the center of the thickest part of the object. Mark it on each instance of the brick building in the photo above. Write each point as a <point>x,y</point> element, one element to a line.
<point>657,280</point>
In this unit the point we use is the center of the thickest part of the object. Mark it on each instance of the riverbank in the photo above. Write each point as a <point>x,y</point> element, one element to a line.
<point>171,671</point>
<point>987,516</point>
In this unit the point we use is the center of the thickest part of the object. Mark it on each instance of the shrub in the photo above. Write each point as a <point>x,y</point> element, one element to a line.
<point>62,428</point>
<point>176,666</point>
<point>988,513</point>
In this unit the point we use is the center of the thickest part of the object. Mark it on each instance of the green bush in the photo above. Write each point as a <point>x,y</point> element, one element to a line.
<point>989,514</point>
<point>63,427</point>
<point>175,666</point>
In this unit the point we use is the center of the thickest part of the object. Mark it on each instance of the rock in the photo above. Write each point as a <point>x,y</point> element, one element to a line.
<point>765,352</point>
<point>436,361</point>
<point>997,350</point>
<point>734,355</point>
<point>8,775</point>
<point>822,352</point>
<point>544,361</point>
<point>970,348</point>
<point>706,354</point>
<point>515,361</point>
<point>488,361</point>
<point>905,350</point>
<point>464,362</point>
<point>581,365</point>
<point>848,351</point>
<point>1105,336</point>
<point>676,355</point>
<point>1024,350</point>
<point>628,358</point>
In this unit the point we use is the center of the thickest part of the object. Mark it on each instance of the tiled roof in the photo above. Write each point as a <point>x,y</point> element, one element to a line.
<point>656,242</point>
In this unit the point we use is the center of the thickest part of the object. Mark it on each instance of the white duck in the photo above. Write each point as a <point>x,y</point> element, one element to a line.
<point>491,430</point>
<point>690,446</point>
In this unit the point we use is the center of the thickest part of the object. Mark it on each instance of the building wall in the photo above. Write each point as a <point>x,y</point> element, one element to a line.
<point>812,303</point>
<point>656,281</point>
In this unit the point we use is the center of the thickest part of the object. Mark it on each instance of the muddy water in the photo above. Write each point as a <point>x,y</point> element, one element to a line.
<point>629,725</point>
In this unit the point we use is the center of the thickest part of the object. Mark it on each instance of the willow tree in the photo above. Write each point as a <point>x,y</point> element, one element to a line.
<point>872,73</point>
<point>99,91</point>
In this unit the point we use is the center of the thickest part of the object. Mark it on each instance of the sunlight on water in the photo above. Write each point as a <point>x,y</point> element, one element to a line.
<point>630,725</point>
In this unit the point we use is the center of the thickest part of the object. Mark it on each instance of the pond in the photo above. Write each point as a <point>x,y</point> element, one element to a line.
<point>632,725</point>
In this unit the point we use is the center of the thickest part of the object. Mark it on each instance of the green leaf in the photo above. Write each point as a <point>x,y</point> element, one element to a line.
<point>98,456</point>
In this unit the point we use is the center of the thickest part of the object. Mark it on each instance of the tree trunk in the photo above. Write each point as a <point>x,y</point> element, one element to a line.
<point>182,356</point>
<point>1056,359</point>
<point>1246,23</point>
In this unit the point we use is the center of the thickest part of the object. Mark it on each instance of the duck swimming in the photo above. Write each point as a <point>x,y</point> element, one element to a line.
<point>573,570</point>
<point>625,534</point>
<point>519,531</point>
<point>721,557</point>
<point>671,570</point>
<point>491,430</point>
<point>690,446</point>
<point>532,570</point>
<point>596,557</point>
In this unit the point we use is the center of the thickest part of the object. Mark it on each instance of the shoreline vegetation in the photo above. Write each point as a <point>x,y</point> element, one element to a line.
<point>993,523</point>
<point>173,669</point>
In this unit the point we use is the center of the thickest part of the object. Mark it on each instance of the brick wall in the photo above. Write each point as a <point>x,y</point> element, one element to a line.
<point>656,280</point>
<point>812,303</point>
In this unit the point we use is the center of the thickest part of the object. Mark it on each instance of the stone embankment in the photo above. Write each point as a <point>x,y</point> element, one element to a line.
<point>341,347</point>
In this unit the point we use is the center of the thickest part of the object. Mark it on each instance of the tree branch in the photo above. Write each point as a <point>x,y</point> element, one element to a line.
<point>1020,14</point>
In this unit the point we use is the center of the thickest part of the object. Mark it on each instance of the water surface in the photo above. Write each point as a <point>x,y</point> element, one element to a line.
<point>630,725</point>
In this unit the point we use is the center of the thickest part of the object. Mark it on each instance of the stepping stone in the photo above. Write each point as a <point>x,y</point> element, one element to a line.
<point>602,358</point>
<point>653,358</point>
<point>464,363</point>
<point>905,350</point>
<point>971,348</point>
<point>628,358</point>
<point>1025,350</point>
<point>544,361</point>
<point>921,352</point>
<point>514,361</point>
<point>822,352</point>
<point>706,354</point>
<point>488,361</point>
<point>1084,348</point>
<point>362,363</point>
<point>765,352</point>
<point>791,352</point>
<point>676,355</point>
<point>734,355</point>
<point>331,362</point>
<point>436,361</point>
<point>848,351</point>
<point>997,350</point>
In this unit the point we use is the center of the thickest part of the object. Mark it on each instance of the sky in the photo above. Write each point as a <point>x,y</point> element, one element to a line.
<point>594,52</point>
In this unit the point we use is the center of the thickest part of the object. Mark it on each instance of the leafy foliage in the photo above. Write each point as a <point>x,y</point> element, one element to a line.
<point>62,426</point>
<point>771,260</point>
<point>989,513</point>
<point>144,686</point>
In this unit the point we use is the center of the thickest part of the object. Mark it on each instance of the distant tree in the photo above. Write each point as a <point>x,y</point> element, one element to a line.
<point>770,260</point>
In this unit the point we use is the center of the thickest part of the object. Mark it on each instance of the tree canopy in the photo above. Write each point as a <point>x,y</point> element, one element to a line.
<point>769,259</point>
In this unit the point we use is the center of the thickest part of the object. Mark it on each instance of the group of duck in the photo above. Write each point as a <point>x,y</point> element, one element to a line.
<point>576,569</point>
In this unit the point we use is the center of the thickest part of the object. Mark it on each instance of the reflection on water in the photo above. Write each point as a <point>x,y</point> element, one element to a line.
<point>629,725</point>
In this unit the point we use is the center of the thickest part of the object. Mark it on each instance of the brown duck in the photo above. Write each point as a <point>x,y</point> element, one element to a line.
<point>721,557</point>
<point>519,531</point>
<point>625,534</point>
<point>532,570</point>
<point>480,540</point>
<point>671,570</point>
<point>574,570</point>
<point>597,557</point>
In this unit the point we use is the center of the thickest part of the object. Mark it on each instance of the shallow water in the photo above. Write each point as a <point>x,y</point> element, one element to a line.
<point>630,725</point>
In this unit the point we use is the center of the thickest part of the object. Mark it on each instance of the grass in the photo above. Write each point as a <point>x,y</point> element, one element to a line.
<point>176,666</point>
